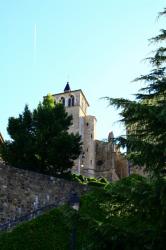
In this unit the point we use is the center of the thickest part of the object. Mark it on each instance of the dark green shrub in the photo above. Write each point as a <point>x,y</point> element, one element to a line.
<point>127,215</point>
<point>49,231</point>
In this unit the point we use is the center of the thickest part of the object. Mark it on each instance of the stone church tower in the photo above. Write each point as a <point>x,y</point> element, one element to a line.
<point>98,158</point>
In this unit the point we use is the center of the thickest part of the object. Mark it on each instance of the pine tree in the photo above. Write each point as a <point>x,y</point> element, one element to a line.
<point>40,139</point>
<point>145,117</point>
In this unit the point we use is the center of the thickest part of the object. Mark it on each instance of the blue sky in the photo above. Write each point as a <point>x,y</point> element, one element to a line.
<point>96,45</point>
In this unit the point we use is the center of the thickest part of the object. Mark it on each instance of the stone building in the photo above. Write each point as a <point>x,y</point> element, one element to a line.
<point>98,158</point>
<point>1,139</point>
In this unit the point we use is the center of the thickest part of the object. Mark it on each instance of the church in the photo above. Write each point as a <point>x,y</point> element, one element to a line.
<point>98,158</point>
<point>1,139</point>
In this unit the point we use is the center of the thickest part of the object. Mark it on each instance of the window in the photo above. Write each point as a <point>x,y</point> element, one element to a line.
<point>100,162</point>
<point>69,102</point>
<point>63,101</point>
<point>72,100</point>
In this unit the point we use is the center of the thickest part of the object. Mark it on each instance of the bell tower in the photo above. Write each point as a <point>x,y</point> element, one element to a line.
<point>77,105</point>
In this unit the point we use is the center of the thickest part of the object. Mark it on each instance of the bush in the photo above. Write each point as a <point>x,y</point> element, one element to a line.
<point>49,231</point>
<point>127,215</point>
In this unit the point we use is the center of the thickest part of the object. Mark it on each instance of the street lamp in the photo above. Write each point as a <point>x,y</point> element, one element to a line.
<point>74,202</point>
<point>82,159</point>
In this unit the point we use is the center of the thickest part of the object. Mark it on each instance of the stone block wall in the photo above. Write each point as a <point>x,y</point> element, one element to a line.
<point>121,165</point>
<point>105,161</point>
<point>23,192</point>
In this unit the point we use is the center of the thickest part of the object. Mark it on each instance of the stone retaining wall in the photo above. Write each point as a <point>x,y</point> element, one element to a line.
<point>22,192</point>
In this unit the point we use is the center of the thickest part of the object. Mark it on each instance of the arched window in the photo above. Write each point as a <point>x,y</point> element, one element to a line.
<point>63,101</point>
<point>72,100</point>
<point>69,102</point>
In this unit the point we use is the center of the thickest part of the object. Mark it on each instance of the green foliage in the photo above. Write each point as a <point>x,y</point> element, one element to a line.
<point>49,231</point>
<point>127,215</point>
<point>145,118</point>
<point>40,139</point>
<point>91,181</point>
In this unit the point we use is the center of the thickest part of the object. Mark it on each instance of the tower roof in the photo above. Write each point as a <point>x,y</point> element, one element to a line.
<point>67,88</point>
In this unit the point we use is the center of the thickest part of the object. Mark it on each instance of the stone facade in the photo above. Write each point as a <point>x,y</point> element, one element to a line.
<point>105,160</point>
<point>1,139</point>
<point>23,192</point>
<point>122,168</point>
<point>97,158</point>
<point>140,170</point>
<point>76,105</point>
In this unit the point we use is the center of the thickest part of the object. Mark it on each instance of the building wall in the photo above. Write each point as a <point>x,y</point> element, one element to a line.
<point>97,158</point>
<point>105,161</point>
<point>89,145</point>
<point>140,170</point>
<point>1,139</point>
<point>86,162</point>
<point>23,191</point>
<point>74,111</point>
<point>121,165</point>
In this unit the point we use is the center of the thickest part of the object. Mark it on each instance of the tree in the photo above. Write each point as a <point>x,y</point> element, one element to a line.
<point>145,118</point>
<point>129,214</point>
<point>40,139</point>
